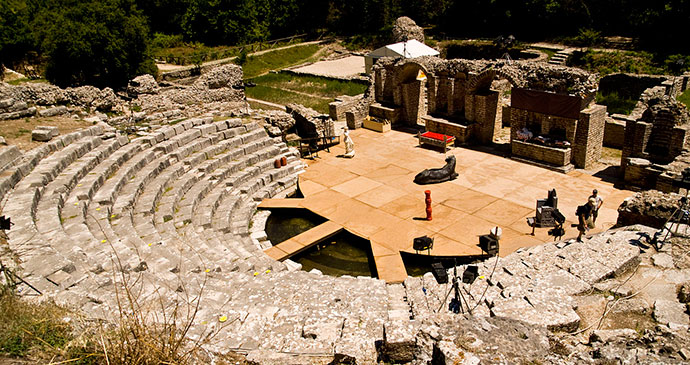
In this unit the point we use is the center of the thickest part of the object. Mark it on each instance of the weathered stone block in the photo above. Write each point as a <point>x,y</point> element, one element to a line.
<point>41,135</point>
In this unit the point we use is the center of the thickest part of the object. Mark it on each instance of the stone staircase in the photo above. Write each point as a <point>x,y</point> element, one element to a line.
<point>561,57</point>
<point>166,217</point>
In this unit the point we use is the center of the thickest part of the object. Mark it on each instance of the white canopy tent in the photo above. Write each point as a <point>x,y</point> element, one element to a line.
<point>410,49</point>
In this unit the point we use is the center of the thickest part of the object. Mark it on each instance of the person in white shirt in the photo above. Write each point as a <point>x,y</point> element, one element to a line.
<point>598,201</point>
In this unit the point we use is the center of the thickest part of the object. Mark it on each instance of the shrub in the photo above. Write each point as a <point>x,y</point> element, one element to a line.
<point>587,37</point>
<point>616,104</point>
<point>685,98</point>
<point>96,42</point>
<point>161,41</point>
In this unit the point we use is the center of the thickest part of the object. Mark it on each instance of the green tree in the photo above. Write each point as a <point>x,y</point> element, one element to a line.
<point>218,22</point>
<point>94,42</point>
<point>164,16</point>
<point>15,35</point>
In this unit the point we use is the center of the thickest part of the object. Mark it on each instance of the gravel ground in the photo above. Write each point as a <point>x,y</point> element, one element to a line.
<point>343,67</point>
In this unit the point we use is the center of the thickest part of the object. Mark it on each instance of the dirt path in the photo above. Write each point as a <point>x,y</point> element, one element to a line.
<point>164,67</point>
<point>17,132</point>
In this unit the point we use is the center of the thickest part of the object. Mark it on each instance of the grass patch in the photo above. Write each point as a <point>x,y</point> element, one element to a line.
<point>314,85</point>
<point>637,62</point>
<point>275,60</point>
<point>548,51</point>
<point>137,334</point>
<point>283,97</point>
<point>24,80</point>
<point>27,328</point>
<point>616,104</point>
<point>685,98</point>
<point>172,49</point>
<point>21,132</point>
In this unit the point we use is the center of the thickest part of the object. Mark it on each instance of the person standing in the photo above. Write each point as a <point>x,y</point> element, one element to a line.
<point>598,201</point>
<point>584,212</point>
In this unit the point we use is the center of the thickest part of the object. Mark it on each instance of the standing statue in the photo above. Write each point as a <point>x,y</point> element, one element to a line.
<point>349,144</point>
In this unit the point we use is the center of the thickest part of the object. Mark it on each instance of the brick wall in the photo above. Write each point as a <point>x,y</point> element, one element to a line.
<point>413,102</point>
<point>521,118</point>
<point>551,155</point>
<point>485,114</point>
<point>589,137</point>
<point>342,104</point>
<point>456,101</point>
<point>640,172</point>
<point>463,133</point>
<point>380,111</point>
<point>614,132</point>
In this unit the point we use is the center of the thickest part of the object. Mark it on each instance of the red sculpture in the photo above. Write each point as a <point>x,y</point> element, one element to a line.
<point>428,204</point>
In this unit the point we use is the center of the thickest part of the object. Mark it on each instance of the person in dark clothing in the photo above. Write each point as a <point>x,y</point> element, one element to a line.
<point>584,212</point>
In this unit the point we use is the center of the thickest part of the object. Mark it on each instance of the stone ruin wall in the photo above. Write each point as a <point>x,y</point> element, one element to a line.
<point>462,90</point>
<point>220,86</point>
<point>641,87</point>
<point>655,150</point>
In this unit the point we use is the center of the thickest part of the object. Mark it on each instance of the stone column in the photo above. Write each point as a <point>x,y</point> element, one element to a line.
<point>413,101</point>
<point>481,108</point>
<point>379,83</point>
<point>589,136</point>
<point>433,89</point>
<point>456,98</point>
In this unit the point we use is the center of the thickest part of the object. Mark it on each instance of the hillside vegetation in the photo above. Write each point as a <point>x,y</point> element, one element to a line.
<point>107,42</point>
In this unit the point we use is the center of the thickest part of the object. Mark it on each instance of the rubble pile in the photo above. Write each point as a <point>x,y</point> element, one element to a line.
<point>276,122</point>
<point>651,208</point>
<point>406,29</point>
<point>144,84</point>
<point>21,100</point>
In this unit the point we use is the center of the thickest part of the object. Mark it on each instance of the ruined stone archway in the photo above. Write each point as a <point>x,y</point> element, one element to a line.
<point>413,92</point>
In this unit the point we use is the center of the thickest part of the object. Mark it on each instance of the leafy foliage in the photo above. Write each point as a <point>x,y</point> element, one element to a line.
<point>606,63</point>
<point>97,42</point>
<point>15,33</point>
<point>616,104</point>
<point>104,42</point>
<point>685,98</point>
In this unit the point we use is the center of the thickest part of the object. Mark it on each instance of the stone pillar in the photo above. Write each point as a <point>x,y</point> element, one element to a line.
<point>628,143</point>
<point>469,107</point>
<point>413,101</point>
<point>456,99</point>
<point>432,93</point>
<point>379,83</point>
<point>679,138</point>
<point>444,96</point>
<point>481,108</point>
<point>641,138</point>
<point>589,136</point>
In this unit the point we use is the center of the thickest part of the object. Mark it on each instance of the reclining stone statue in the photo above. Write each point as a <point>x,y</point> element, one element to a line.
<point>434,176</point>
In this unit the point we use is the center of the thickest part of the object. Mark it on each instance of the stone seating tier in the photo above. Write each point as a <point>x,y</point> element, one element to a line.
<point>167,215</point>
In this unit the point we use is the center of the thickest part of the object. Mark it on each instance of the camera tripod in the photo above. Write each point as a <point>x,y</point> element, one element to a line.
<point>680,216</point>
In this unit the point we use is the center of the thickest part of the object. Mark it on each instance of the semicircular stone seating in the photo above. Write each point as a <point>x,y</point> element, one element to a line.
<point>165,219</point>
